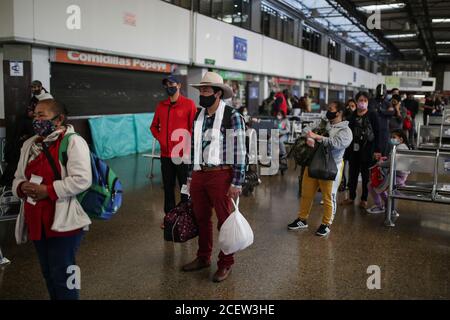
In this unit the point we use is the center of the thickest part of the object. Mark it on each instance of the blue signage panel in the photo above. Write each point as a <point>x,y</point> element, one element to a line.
<point>322,94</point>
<point>254,93</point>
<point>240,49</point>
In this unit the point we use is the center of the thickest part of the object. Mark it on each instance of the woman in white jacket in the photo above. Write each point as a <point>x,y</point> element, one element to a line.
<point>50,215</point>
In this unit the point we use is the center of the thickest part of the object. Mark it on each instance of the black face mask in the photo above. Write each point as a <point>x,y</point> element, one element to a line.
<point>171,91</point>
<point>331,115</point>
<point>207,101</point>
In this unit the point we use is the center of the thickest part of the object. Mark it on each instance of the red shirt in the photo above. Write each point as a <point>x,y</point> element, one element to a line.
<point>42,214</point>
<point>170,117</point>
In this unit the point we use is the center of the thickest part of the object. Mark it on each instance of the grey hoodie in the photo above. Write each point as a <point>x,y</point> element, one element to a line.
<point>340,137</point>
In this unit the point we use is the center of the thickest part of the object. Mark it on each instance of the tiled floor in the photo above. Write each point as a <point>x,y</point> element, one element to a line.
<point>127,258</point>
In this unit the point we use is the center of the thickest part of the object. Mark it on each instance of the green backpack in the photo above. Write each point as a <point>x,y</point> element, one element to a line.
<point>303,153</point>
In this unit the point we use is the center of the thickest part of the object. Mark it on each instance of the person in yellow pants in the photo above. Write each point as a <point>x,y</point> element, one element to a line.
<point>339,138</point>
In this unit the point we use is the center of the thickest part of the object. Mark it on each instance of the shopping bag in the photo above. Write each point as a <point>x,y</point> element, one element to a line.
<point>235,233</point>
<point>323,166</point>
<point>376,176</point>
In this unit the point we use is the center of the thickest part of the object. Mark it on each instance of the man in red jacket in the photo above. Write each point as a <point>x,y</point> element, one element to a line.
<point>176,112</point>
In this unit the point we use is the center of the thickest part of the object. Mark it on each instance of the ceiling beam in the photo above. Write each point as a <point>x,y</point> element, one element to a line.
<point>352,13</point>
<point>429,27</point>
<point>422,39</point>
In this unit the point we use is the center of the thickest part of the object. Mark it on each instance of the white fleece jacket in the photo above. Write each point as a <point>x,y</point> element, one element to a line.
<point>76,177</point>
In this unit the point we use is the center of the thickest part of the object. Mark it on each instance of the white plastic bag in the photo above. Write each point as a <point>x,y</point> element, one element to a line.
<point>235,233</point>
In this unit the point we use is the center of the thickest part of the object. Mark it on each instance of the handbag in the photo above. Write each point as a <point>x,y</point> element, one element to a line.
<point>323,166</point>
<point>180,224</point>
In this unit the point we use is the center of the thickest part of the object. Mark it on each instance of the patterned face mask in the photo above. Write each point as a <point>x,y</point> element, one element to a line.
<point>44,127</point>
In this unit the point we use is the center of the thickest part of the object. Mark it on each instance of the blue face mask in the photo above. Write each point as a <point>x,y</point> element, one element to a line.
<point>395,142</point>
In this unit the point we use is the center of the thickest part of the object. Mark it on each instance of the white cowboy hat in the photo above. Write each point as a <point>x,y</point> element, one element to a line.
<point>212,79</point>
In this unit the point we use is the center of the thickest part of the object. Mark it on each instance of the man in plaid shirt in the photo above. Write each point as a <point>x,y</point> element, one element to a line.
<point>218,168</point>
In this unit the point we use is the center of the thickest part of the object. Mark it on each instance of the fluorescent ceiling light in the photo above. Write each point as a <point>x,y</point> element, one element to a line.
<point>381,7</point>
<point>409,50</point>
<point>444,54</point>
<point>399,36</point>
<point>442,42</point>
<point>445,20</point>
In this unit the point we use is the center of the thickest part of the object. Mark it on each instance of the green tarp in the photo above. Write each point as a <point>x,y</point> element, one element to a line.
<point>121,135</point>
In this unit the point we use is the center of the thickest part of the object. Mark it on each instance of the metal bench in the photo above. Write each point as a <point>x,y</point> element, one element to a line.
<point>433,178</point>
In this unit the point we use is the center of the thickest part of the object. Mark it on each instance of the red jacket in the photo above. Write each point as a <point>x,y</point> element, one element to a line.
<point>169,118</point>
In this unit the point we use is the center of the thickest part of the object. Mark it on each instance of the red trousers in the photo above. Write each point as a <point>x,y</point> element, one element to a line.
<point>208,190</point>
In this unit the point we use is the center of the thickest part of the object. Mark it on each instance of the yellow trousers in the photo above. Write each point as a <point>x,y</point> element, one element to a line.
<point>329,189</point>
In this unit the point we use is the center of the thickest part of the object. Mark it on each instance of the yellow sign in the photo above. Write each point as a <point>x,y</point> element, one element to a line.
<point>392,82</point>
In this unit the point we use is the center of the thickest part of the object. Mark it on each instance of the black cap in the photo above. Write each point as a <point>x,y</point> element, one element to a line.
<point>172,78</point>
<point>36,83</point>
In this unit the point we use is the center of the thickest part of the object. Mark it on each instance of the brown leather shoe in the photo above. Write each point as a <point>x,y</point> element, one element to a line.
<point>197,264</point>
<point>221,274</point>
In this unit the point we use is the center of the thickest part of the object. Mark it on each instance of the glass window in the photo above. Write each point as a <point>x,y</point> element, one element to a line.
<point>312,40</point>
<point>349,56</point>
<point>362,62</point>
<point>371,66</point>
<point>306,41</point>
<point>235,12</point>
<point>317,42</point>
<point>245,14</point>
<point>334,49</point>
<point>268,21</point>
<point>287,29</point>
<point>204,7</point>
<point>217,10</point>
<point>181,3</point>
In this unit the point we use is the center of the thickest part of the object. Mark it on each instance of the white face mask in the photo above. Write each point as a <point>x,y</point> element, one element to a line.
<point>245,113</point>
<point>279,117</point>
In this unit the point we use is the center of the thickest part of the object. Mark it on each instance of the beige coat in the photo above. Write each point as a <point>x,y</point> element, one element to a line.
<point>76,177</point>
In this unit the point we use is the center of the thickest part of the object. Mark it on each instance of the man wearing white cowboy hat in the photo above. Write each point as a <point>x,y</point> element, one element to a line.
<point>218,167</point>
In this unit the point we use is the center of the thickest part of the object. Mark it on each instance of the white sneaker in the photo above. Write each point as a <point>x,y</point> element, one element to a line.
<point>376,210</point>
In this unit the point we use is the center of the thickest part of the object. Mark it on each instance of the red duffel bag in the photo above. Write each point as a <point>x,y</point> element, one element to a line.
<point>180,224</point>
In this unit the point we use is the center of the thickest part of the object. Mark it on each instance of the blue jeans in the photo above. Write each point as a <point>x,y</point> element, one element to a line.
<point>284,138</point>
<point>55,256</point>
